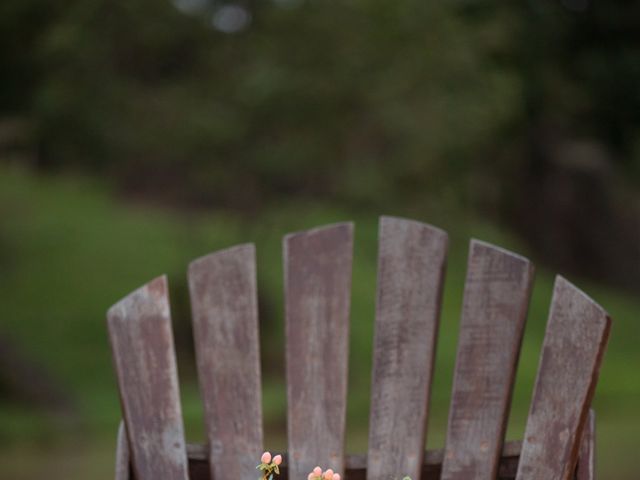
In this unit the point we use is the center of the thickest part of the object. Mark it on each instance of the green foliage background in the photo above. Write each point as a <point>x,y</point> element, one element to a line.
<point>70,251</point>
<point>366,101</point>
<point>135,137</point>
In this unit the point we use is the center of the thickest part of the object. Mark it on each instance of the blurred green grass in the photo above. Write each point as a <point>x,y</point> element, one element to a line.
<point>68,250</point>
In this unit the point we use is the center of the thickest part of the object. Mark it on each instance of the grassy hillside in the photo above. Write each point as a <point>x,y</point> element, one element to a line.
<point>68,251</point>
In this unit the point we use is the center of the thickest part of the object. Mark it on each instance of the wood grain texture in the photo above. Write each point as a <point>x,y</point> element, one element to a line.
<point>494,311</point>
<point>411,264</point>
<point>587,460</point>
<point>123,458</point>
<point>144,357</point>
<point>225,326</point>
<point>317,266</point>
<point>574,344</point>
<point>355,465</point>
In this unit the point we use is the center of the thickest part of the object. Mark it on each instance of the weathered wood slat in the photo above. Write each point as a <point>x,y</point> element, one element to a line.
<point>317,266</point>
<point>574,344</point>
<point>494,311</point>
<point>144,358</point>
<point>123,458</point>
<point>411,264</point>
<point>225,326</point>
<point>587,459</point>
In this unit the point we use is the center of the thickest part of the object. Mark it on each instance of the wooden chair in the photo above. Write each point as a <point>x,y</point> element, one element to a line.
<point>559,437</point>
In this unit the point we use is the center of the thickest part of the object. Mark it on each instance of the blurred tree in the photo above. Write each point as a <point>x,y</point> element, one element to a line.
<point>363,101</point>
<point>368,103</point>
<point>21,28</point>
<point>574,196</point>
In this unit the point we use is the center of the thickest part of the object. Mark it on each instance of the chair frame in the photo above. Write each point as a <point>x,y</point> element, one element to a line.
<point>559,440</point>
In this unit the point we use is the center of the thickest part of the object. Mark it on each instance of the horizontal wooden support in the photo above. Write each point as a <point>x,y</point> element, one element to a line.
<point>356,464</point>
<point>198,452</point>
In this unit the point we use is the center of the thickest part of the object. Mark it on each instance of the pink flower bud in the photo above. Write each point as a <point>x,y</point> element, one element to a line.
<point>336,476</point>
<point>278,460</point>
<point>328,475</point>
<point>266,457</point>
<point>311,476</point>
<point>317,472</point>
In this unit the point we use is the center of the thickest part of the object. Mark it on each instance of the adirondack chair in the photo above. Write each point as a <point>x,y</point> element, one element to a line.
<point>559,437</point>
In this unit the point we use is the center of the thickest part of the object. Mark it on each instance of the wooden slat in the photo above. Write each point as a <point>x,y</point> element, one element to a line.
<point>317,266</point>
<point>496,298</point>
<point>411,264</point>
<point>574,344</point>
<point>123,459</point>
<point>225,326</point>
<point>144,358</point>
<point>587,458</point>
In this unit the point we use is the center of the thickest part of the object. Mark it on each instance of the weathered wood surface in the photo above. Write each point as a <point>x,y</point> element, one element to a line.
<point>559,440</point>
<point>355,465</point>
<point>225,326</point>
<point>587,459</point>
<point>317,267</point>
<point>574,344</point>
<point>144,358</point>
<point>411,264</point>
<point>494,311</point>
<point>123,458</point>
